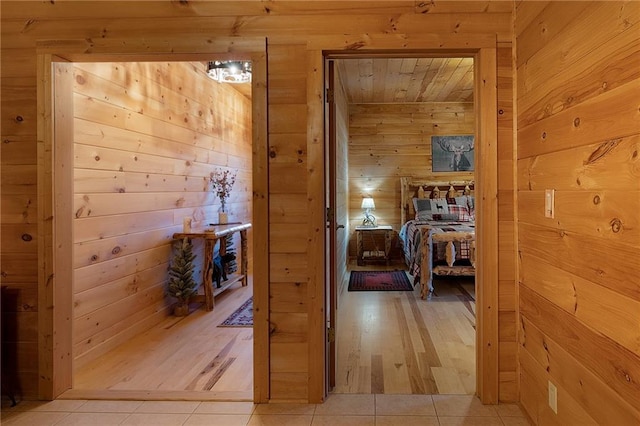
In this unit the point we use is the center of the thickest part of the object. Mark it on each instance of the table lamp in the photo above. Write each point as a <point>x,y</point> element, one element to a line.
<point>367,206</point>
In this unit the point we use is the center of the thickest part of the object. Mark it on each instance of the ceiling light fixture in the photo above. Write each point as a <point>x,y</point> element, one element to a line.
<point>230,71</point>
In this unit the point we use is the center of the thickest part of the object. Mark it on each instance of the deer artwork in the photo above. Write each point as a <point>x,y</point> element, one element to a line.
<point>459,162</point>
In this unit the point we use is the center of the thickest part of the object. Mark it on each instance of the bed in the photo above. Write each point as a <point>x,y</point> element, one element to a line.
<point>438,229</point>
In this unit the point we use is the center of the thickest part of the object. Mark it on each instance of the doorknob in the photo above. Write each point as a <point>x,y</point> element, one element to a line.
<point>340,227</point>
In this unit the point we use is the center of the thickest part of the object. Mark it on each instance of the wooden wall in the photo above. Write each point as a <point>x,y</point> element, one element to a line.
<point>289,215</point>
<point>389,141</point>
<point>507,256</point>
<point>578,92</point>
<point>147,137</point>
<point>296,34</point>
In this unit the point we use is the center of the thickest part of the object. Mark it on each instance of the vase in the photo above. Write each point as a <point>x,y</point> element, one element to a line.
<point>223,217</point>
<point>186,225</point>
<point>181,309</point>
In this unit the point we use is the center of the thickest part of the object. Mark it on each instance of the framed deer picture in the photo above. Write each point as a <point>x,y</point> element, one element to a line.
<point>452,153</point>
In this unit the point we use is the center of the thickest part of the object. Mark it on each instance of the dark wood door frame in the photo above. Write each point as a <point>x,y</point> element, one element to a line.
<point>332,225</point>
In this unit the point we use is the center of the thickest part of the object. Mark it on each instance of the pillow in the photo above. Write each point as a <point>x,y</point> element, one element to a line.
<point>445,216</point>
<point>424,215</point>
<point>426,209</point>
<point>428,215</point>
<point>460,212</point>
<point>421,204</point>
<point>440,206</point>
<point>468,201</point>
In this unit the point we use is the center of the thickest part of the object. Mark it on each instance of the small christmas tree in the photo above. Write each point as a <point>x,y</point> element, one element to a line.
<point>182,286</point>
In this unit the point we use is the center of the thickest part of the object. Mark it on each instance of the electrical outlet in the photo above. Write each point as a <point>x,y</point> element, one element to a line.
<point>553,397</point>
<point>549,201</point>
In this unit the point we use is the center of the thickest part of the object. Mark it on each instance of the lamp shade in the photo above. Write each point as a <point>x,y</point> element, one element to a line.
<point>367,203</point>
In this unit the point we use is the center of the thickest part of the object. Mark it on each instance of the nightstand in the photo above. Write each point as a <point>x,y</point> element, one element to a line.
<point>369,242</point>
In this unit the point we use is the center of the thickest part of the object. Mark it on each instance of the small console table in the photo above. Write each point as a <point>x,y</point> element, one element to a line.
<point>210,235</point>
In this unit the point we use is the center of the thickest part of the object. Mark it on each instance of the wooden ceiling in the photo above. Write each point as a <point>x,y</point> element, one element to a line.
<point>402,80</point>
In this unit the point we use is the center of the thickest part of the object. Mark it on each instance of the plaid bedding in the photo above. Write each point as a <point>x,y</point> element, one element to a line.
<point>461,211</point>
<point>410,236</point>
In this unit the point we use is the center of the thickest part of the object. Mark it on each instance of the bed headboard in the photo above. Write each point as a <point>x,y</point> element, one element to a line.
<point>411,188</point>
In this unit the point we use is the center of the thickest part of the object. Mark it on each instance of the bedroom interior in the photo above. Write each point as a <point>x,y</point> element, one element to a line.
<point>388,109</point>
<point>558,84</point>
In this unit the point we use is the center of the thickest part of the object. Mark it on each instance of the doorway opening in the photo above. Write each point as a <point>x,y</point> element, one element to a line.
<point>143,139</point>
<point>387,342</point>
<point>147,138</point>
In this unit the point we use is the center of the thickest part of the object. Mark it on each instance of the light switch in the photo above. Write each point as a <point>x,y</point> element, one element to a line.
<point>549,201</point>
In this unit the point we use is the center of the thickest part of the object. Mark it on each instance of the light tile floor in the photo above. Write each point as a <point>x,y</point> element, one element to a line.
<point>338,410</point>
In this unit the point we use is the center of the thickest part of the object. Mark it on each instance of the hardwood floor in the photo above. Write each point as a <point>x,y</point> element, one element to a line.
<point>388,343</point>
<point>187,354</point>
<point>397,343</point>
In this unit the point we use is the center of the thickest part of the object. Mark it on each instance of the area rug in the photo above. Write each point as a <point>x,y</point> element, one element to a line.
<point>241,317</point>
<point>379,281</point>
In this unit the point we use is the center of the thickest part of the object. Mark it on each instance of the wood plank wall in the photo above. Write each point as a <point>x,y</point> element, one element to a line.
<point>388,141</point>
<point>578,91</point>
<point>289,215</point>
<point>147,137</point>
<point>142,27</point>
<point>507,255</point>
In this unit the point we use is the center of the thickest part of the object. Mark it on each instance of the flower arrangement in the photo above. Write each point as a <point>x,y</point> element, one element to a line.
<point>221,183</point>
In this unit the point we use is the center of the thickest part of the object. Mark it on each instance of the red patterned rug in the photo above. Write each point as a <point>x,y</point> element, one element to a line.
<point>379,281</point>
